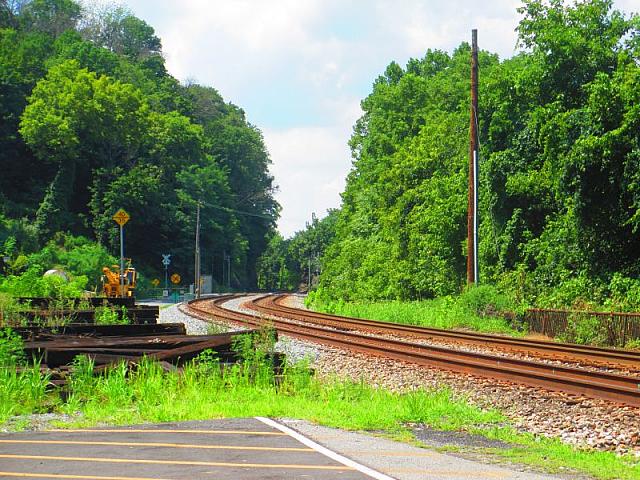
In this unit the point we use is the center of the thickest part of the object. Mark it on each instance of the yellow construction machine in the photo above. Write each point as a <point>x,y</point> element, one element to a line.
<point>111,286</point>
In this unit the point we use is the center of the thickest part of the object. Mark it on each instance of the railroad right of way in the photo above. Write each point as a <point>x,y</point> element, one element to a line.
<point>575,418</point>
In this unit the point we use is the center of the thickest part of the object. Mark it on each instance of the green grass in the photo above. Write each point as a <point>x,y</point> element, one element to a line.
<point>23,391</point>
<point>111,315</point>
<point>203,391</point>
<point>444,312</point>
<point>22,385</point>
<point>556,457</point>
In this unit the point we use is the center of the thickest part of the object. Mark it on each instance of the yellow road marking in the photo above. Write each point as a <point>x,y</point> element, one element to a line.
<point>83,477</point>
<point>175,462</point>
<point>208,432</point>
<point>153,444</point>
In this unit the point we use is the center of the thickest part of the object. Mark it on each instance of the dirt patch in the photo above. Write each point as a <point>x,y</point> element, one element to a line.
<point>439,438</point>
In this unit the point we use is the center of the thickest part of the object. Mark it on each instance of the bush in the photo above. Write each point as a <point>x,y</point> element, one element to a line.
<point>76,255</point>
<point>11,349</point>
<point>486,300</point>
<point>585,329</point>
<point>624,293</point>
<point>32,284</point>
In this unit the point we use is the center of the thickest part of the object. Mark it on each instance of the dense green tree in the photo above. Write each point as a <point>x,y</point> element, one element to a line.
<point>79,121</point>
<point>87,103</point>
<point>401,228</point>
<point>285,264</point>
<point>50,16</point>
<point>560,143</point>
<point>276,268</point>
<point>239,149</point>
<point>115,28</point>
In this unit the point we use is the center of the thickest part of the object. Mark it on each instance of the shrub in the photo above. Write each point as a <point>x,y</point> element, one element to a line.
<point>584,329</point>
<point>624,293</point>
<point>32,284</point>
<point>9,311</point>
<point>11,349</point>
<point>486,300</point>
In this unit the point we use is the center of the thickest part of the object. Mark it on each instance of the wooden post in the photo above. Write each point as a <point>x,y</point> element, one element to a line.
<point>472,212</point>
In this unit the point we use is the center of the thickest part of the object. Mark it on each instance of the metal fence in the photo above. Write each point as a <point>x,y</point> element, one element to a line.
<point>610,328</point>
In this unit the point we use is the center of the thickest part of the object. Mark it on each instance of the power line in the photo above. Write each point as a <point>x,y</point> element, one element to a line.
<point>240,212</point>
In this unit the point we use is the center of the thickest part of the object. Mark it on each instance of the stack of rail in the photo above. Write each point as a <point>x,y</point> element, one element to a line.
<point>40,309</point>
<point>167,344</point>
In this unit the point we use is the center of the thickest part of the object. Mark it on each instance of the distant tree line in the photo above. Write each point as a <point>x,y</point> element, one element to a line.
<point>559,130</point>
<point>91,121</point>
<point>296,263</point>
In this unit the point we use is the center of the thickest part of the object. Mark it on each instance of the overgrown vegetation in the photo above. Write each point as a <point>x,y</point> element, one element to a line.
<point>111,315</point>
<point>11,349</point>
<point>296,262</point>
<point>205,390</point>
<point>9,310</point>
<point>22,384</point>
<point>90,122</point>
<point>482,309</point>
<point>559,132</point>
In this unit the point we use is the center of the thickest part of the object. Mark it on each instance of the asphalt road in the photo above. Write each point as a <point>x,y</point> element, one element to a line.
<point>246,449</point>
<point>219,449</point>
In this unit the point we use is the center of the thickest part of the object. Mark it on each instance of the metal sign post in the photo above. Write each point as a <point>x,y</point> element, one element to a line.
<point>122,260</point>
<point>121,217</point>
<point>166,261</point>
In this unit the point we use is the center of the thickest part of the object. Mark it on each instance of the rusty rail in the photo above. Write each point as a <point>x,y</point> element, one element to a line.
<point>55,348</point>
<point>587,354</point>
<point>576,381</point>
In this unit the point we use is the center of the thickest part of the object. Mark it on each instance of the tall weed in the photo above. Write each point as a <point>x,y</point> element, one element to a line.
<point>10,311</point>
<point>111,315</point>
<point>444,312</point>
<point>11,349</point>
<point>23,388</point>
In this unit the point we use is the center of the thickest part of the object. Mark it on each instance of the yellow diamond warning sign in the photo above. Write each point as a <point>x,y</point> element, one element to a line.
<point>121,217</point>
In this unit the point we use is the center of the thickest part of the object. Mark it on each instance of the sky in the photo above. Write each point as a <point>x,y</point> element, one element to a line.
<point>299,69</point>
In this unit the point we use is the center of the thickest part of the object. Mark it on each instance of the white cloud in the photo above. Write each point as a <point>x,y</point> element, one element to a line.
<point>444,25</point>
<point>310,164</point>
<point>310,167</point>
<point>299,68</point>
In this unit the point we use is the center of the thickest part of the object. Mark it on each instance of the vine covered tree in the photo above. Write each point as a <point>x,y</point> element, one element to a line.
<point>560,137</point>
<point>87,103</point>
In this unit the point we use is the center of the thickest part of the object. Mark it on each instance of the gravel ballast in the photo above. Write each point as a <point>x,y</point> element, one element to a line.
<point>575,420</point>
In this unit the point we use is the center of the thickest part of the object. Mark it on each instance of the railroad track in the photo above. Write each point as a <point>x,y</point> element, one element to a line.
<point>586,354</point>
<point>576,381</point>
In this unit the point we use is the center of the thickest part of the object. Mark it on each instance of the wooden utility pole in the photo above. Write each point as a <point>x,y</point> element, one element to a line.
<point>196,290</point>
<point>472,215</point>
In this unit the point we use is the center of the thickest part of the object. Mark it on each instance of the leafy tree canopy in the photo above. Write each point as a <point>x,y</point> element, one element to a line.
<point>91,122</point>
<point>560,152</point>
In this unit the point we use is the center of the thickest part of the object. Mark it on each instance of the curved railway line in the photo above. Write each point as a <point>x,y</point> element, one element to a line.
<point>344,333</point>
<point>586,354</point>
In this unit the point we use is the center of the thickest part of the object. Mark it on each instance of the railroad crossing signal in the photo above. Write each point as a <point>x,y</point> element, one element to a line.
<point>166,259</point>
<point>175,278</point>
<point>121,217</point>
